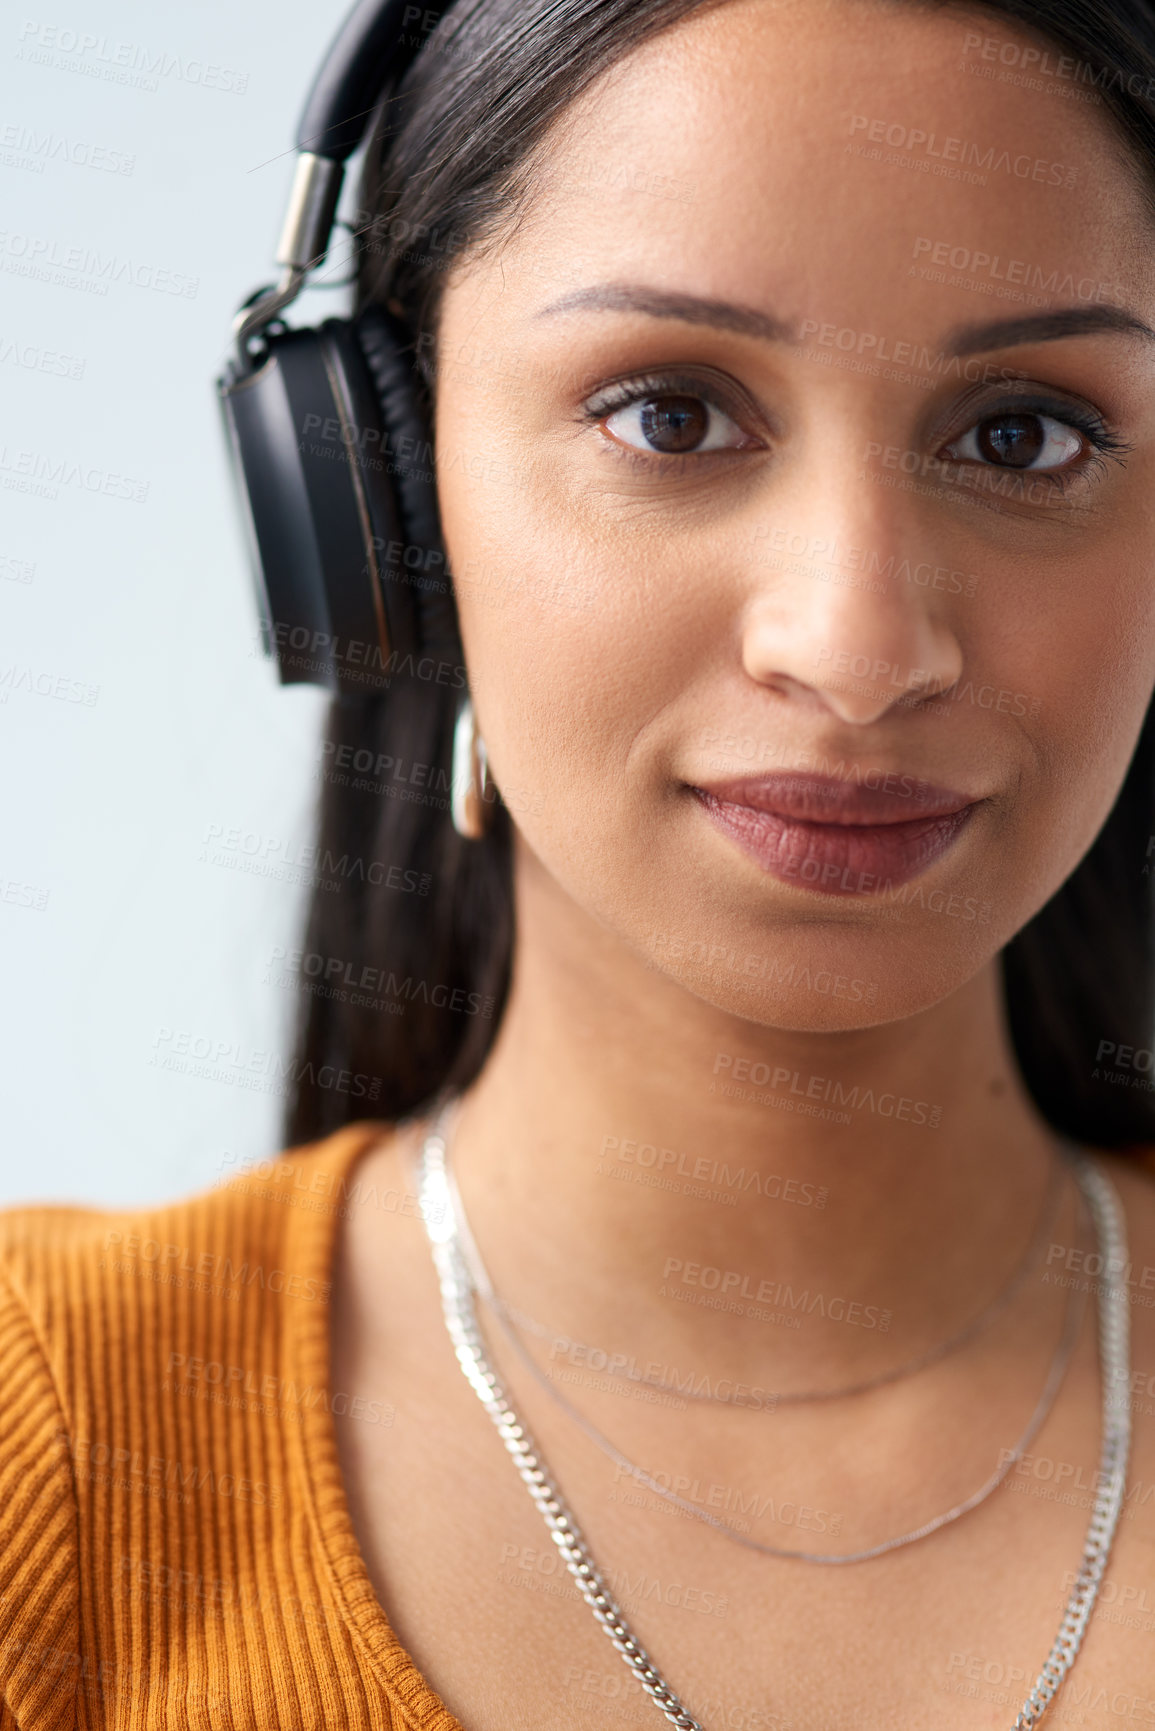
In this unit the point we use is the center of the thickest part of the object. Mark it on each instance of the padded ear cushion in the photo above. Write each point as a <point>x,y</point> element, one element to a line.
<point>411,477</point>
<point>330,444</point>
<point>306,436</point>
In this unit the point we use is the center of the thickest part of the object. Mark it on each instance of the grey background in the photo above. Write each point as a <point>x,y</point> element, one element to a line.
<point>122,941</point>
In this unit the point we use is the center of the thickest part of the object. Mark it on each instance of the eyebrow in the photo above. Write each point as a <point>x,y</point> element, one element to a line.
<point>746,321</point>
<point>658,304</point>
<point>1047,328</point>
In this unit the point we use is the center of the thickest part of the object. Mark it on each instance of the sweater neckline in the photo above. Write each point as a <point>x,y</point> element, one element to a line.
<point>312,1240</point>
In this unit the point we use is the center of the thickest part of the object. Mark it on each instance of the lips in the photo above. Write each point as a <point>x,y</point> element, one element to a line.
<point>839,837</point>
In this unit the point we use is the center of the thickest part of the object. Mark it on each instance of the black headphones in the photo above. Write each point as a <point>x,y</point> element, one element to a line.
<point>330,442</point>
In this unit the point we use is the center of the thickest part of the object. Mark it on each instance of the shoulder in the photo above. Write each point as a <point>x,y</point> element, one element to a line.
<point>58,1258</point>
<point>144,1356</point>
<point>39,1547</point>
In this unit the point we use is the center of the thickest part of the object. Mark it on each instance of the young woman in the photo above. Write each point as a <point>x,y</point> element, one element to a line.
<point>759,1038</point>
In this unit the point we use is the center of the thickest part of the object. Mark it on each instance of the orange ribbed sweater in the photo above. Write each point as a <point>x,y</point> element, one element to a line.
<point>175,1543</point>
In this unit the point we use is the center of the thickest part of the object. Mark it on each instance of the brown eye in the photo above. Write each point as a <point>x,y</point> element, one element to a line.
<point>674,425</point>
<point>1013,439</point>
<point>1019,441</point>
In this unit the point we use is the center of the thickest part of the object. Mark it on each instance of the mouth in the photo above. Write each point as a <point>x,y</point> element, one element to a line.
<point>838,837</point>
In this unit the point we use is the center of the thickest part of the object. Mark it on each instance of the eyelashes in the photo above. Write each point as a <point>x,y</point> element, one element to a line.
<point>1010,416</point>
<point>678,421</point>
<point>700,419</point>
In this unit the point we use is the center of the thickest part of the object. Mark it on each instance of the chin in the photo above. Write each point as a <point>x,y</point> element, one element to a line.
<point>821,976</point>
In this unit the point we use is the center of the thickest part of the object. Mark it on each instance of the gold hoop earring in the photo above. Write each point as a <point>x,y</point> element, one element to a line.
<point>470,802</point>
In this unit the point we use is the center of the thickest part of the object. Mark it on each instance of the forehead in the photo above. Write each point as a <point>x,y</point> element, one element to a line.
<point>828,157</point>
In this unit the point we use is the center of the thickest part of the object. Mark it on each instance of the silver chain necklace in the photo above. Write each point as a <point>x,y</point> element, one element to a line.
<point>797,1397</point>
<point>459,1311</point>
<point>482,1286</point>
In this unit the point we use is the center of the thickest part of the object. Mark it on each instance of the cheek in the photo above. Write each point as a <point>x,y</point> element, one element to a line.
<point>1079,652</point>
<point>1086,657</point>
<point>555,667</point>
<point>566,643</point>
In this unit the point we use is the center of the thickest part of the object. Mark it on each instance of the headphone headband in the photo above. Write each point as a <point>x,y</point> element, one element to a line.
<point>376,43</point>
<point>327,426</point>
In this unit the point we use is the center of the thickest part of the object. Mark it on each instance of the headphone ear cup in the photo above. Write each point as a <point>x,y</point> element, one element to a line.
<point>300,421</point>
<point>419,564</point>
<point>334,454</point>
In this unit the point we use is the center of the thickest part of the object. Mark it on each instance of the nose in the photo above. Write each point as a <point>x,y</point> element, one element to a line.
<point>837,617</point>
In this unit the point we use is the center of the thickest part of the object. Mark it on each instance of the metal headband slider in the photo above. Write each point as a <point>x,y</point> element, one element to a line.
<point>312,207</point>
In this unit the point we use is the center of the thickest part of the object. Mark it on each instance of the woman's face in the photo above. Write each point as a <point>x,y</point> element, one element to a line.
<point>807,611</point>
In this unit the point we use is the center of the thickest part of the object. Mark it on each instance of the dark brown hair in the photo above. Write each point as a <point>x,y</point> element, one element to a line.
<point>424,951</point>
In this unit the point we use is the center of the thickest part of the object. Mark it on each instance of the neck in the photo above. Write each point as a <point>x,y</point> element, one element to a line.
<point>633,1157</point>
